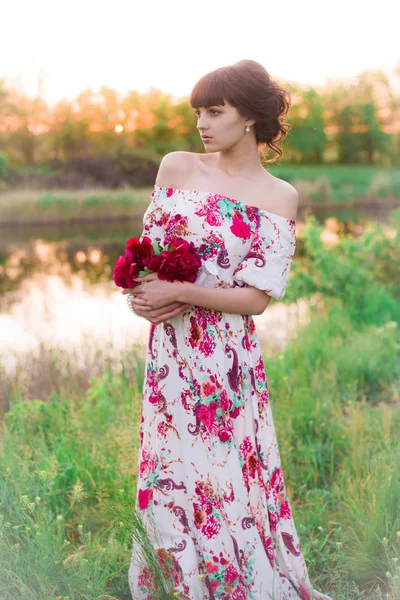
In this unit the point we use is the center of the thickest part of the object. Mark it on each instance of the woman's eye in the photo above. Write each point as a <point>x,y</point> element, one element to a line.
<point>212,111</point>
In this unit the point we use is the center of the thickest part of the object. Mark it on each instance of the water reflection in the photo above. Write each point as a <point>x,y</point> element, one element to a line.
<point>59,308</point>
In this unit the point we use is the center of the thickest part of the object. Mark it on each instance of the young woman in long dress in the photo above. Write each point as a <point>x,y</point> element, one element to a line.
<point>210,487</point>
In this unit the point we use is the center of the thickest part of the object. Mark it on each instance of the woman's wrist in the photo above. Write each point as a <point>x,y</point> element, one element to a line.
<point>186,292</point>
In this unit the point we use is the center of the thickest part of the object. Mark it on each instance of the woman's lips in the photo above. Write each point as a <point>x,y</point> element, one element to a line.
<point>206,139</point>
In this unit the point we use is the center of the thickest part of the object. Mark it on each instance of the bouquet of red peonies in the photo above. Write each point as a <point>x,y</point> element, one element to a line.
<point>177,260</point>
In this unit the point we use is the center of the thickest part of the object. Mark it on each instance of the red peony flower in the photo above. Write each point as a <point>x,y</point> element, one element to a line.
<point>180,261</point>
<point>153,262</point>
<point>123,273</point>
<point>139,250</point>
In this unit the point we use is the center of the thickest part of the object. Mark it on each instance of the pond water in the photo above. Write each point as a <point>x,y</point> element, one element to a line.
<point>56,287</point>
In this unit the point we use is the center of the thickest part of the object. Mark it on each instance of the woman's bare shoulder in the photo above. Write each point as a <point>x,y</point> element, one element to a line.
<point>284,196</point>
<point>173,166</point>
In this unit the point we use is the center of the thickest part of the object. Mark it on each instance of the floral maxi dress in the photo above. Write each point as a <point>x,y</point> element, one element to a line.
<point>210,487</point>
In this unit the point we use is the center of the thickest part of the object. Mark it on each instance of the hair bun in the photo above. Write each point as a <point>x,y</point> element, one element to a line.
<point>248,86</point>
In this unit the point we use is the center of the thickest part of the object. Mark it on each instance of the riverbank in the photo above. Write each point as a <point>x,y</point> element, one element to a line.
<point>322,189</point>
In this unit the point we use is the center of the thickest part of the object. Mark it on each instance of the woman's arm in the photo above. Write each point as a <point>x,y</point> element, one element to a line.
<point>242,301</point>
<point>154,293</point>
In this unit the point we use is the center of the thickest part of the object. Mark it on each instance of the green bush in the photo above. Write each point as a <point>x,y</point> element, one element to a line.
<point>140,167</point>
<point>3,165</point>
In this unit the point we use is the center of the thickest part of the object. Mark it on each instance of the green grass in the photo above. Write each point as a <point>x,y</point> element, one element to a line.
<point>337,184</point>
<point>68,474</point>
<point>52,207</point>
<point>329,186</point>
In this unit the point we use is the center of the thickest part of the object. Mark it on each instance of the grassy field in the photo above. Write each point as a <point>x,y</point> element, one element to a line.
<point>327,186</point>
<point>69,453</point>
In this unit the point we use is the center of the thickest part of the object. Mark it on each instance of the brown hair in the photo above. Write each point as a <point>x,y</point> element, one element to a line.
<point>247,86</point>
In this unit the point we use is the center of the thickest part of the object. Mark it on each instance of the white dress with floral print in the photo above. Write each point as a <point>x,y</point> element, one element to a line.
<point>210,485</point>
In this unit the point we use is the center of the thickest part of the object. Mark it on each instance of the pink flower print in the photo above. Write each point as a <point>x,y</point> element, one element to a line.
<point>144,578</point>
<point>304,593</point>
<point>153,399</point>
<point>226,402</point>
<point>263,398</point>
<point>206,416</point>
<point>240,229</point>
<point>267,543</point>
<point>212,568</point>
<point>144,498</point>
<point>208,388</point>
<point>169,192</point>
<point>213,218</point>
<point>207,345</point>
<point>206,506</point>
<point>213,318</point>
<point>247,343</point>
<point>177,227</point>
<point>252,326</point>
<point>239,594</point>
<point>224,435</point>
<point>146,467</point>
<point>211,528</point>
<point>251,464</point>
<point>235,412</point>
<point>162,429</point>
<point>277,481</point>
<point>231,574</point>
<point>259,370</point>
<point>214,429</point>
<point>199,489</point>
<point>273,518</point>
<point>199,516</point>
<point>285,512</point>
<point>196,334</point>
<point>214,583</point>
<point>245,475</point>
<point>214,379</point>
<point>246,446</point>
<point>201,318</point>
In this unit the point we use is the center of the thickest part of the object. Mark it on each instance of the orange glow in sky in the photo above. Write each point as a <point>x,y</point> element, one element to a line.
<point>130,45</point>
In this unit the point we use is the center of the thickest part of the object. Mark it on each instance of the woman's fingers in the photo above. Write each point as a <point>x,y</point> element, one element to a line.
<point>140,303</point>
<point>169,315</point>
<point>161,314</point>
<point>156,312</point>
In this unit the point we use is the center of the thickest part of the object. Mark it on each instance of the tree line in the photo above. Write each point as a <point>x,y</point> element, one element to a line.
<point>356,122</point>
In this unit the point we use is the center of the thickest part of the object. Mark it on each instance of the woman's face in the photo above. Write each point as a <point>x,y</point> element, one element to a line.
<point>223,124</point>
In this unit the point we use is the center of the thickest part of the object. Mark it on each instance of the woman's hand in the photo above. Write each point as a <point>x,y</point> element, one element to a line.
<point>155,299</point>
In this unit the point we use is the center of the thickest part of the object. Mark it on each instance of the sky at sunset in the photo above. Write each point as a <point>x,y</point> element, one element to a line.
<point>129,45</point>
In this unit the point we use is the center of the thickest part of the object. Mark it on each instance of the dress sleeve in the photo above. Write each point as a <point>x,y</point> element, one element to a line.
<point>267,264</point>
<point>153,218</point>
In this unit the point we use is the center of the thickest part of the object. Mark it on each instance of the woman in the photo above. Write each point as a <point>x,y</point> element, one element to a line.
<point>210,482</point>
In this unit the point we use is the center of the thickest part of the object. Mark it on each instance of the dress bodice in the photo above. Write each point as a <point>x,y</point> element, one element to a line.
<point>240,244</point>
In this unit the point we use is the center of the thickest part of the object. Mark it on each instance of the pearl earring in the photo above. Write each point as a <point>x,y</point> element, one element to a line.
<point>247,129</point>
